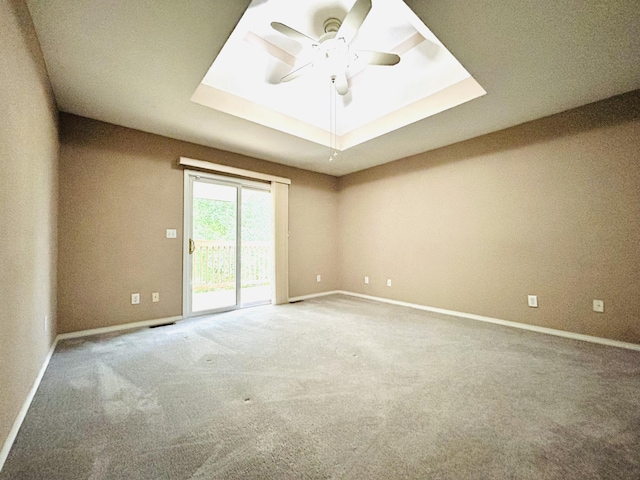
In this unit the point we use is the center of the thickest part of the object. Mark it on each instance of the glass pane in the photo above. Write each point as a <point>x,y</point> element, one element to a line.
<point>256,247</point>
<point>213,281</point>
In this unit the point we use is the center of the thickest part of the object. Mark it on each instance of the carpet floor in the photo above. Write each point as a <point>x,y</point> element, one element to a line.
<point>334,387</point>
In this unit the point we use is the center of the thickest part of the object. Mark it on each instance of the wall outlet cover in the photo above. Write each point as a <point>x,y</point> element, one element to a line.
<point>366,280</point>
<point>155,297</point>
<point>135,298</point>
<point>172,233</point>
<point>532,301</point>
<point>598,306</point>
<point>388,282</point>
<point>318,278</point>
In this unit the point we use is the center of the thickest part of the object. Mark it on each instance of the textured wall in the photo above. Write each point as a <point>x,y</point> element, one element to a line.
<point>28,192</point>
<point>550,208</point>
<point>120,190</point>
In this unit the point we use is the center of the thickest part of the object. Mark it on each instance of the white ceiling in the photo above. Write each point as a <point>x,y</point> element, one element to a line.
<point>137,64</point>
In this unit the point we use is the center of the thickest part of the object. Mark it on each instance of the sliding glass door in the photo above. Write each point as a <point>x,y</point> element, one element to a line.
<point>256,251</point>
<point>213,246</point>
<point>228,244</point>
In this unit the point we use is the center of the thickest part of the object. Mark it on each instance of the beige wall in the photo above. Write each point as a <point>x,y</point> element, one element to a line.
<point>550,208</point>
<point>28,190</point>
<point>120,190</point>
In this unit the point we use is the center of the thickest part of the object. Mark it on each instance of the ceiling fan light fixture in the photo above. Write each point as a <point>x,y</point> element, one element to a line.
<point>336,56</point>
<point>332,50</point>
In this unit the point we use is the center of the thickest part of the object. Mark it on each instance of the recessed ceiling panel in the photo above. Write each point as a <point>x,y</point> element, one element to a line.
<point>245,79</point>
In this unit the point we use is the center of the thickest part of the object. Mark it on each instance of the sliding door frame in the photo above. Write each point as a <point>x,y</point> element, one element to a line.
<point>190,176</point>
<point>280,218</point>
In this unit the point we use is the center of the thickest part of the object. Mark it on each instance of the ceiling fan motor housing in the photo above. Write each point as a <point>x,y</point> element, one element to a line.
<point>331,25</point>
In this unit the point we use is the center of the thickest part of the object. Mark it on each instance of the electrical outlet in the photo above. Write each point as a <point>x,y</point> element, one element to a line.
<point>598,306</point>
<point>135,298</point>
<point>532,301</point>
<point>172,233</point>
<point>366,280</point>
<point>155,297</point>
<point>388,282</point>
<point>318,278</point>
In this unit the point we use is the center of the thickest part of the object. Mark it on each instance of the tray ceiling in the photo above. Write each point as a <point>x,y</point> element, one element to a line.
<point>244,79</point>
<point>137,64</point>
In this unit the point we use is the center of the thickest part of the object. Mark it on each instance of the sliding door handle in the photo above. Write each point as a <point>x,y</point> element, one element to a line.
<point>192,246</point>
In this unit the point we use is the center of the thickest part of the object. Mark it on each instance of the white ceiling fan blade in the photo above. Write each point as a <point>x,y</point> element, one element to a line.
<point>291,33</point>
<point>377,58</point>
<point>297,72</point>
<point>354,20</point>
<point>341,83</point>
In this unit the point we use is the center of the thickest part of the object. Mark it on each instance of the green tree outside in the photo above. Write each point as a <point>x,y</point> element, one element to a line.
<point>215,220</point>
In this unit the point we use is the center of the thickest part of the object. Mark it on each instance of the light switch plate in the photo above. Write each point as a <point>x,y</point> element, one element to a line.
<point>366,280</point>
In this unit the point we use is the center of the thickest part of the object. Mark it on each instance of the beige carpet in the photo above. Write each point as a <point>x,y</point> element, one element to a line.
<point>334,387</point>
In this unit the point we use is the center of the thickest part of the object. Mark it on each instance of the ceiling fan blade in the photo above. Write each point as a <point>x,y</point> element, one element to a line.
<point>342,84</point>
<point>354,20</point>
<point>297,72</point>
<point>291,33</point>
<point>377,58</point>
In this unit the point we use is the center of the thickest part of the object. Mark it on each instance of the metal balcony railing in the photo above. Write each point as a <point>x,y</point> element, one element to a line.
<point>214,265</point>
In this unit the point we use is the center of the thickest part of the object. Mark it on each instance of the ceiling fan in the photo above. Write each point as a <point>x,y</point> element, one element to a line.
<point>332,50</point>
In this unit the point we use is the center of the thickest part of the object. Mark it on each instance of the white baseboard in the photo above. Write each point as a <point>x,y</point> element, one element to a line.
<point>118,328</point>
<point>497,321</point>
<point>314,295</point>
<point>13,433</point>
